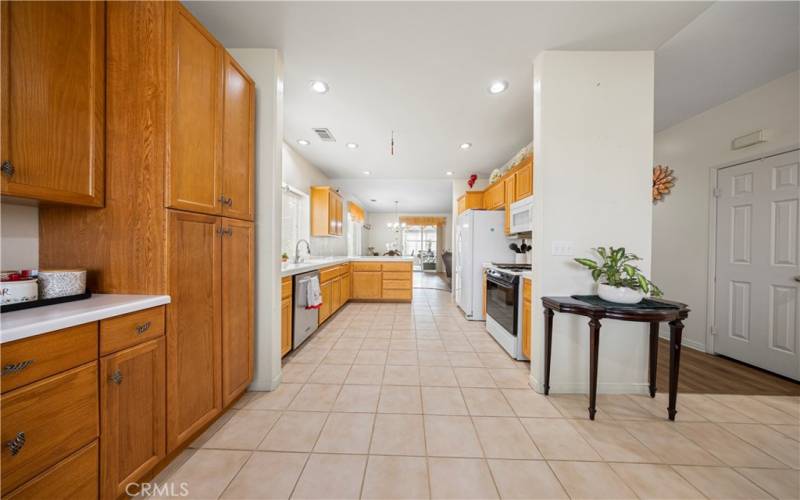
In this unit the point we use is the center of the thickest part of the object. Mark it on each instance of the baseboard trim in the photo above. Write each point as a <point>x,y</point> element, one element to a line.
<point>691,344</point>
<point>583,387</point>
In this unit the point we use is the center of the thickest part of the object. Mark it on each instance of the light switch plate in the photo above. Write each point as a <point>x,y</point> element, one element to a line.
<point>563,248</point>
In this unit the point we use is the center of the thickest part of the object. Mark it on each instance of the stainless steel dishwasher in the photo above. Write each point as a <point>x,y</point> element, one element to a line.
<point>305,320</point>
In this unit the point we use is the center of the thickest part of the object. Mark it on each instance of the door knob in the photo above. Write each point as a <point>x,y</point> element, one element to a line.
<point>7,168</point>
<point>797,278</point>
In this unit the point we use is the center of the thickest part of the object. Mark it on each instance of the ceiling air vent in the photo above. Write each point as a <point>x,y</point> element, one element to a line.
<point>324,134</point>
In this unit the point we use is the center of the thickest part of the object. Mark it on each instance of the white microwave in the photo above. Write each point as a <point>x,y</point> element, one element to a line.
<point>521,218</point>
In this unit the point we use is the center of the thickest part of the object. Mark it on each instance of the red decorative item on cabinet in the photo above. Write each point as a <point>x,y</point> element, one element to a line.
<point>472,179</point>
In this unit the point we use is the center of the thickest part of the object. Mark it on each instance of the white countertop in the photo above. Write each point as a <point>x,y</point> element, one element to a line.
<point>35,321</point>
<point>312,264</point>
<point>528,275</point>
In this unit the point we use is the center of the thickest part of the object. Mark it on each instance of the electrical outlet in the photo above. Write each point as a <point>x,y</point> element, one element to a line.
<point>566,248</point>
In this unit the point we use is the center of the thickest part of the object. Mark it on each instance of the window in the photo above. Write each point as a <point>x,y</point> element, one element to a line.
<point>420,242</point>
<point>295,222</point>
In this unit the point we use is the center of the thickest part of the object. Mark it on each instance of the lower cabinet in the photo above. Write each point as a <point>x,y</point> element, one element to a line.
<point>75,477</point>
<point>345,287</point>
<point>367,284</point>
<point>326,309</point>
<point>336,294</point>
<point>194,322</point>
<point>132,396</point>
<point>286,315</point>
<point>238,272</point>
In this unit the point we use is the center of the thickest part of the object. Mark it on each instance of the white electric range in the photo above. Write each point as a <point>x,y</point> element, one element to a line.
<point>504,306</point>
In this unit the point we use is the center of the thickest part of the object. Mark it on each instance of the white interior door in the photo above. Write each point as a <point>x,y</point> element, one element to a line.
<point>757,299</point>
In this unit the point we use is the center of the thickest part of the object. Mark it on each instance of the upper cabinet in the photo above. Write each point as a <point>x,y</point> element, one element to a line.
<point>327,212</point>
<point>52,101</point>
<point>194,116</point>
<point>494,196</point>
<point>237,142</point>
<point>523,180</point>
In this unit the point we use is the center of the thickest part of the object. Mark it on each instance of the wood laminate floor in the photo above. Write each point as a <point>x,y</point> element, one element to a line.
<point>704,373</point>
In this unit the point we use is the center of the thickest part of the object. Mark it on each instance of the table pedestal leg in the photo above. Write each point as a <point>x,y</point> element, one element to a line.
<point>653,357</point>
<point>594,347</point>
<point>548,342</point>
<point>675,336</point>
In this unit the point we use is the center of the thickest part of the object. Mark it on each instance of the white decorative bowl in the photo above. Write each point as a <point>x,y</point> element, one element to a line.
<point>61,282</point>
<point>15,292</point>
<point>620,295</point>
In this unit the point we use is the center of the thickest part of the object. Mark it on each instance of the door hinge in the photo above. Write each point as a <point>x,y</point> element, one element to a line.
<point>717,192</point>
<point>713,330</point>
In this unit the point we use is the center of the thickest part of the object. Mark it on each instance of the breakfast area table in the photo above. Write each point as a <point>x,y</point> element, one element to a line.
<point>652,311</point>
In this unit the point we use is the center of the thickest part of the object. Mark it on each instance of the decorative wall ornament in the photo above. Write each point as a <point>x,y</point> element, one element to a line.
<point>471,180</point>
<point>663,180</point>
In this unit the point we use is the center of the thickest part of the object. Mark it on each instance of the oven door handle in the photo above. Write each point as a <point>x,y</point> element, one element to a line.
<point>498,282</point>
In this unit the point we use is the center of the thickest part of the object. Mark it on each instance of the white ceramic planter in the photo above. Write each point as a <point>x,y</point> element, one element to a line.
<point>621,295</point>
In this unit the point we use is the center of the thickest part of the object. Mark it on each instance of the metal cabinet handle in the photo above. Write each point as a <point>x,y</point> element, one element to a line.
<point>7,168</point>
<point>16,367</point>
<point>16,444</point>
<point>220,231</point>
<point>225,201</point>
<point>229,231</point>
<point>116,377</point>
<point>140,329</point>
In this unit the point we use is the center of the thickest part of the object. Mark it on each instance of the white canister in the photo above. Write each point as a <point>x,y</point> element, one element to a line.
<point>15,292</point>
<point>61,282</point>
<point>520,258</point>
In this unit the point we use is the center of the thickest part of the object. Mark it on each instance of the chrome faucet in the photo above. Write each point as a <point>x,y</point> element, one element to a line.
<point>297,250</point>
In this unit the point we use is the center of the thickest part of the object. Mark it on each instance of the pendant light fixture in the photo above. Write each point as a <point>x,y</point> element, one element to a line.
<point>396,225</point>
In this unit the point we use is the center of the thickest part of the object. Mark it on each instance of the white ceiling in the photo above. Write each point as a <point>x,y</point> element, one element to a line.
<point>422,69</point>
<point>428,196</point>
<point>729,49</point>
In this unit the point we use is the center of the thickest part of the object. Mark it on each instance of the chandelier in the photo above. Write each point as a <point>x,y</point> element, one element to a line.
<point>396,225</point>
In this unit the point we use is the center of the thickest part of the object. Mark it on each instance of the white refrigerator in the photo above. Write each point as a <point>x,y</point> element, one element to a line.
<point>479,240</point>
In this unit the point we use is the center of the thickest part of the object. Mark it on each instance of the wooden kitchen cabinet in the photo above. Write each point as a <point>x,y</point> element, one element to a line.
<point>286,315</point>
<point>526,317</point>
<point>326,212</point>
<point>326,309</point>
<point>132,396</point>
<point>238,134</point>
<point>494,196</point>
<point>52,101</point>
<point>367,285</point>
<point>346,286</point>
<point>523,184</point>
<point>509,186</point>
<point>193,324</point>
<point>471,200</point>
<point>75,477</point>
<point>194,115</point>
<point>238,273</point>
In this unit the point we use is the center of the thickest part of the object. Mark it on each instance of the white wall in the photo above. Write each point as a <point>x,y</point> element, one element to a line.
<point>19,236</point>
<point>593,132</point>
<point>266,68</point>
<point>691,148</point>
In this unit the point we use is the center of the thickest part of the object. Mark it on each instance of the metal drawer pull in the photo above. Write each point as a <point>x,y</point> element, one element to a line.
<point>8,168</point>
<point>226,201</point>
<point>116,377</point>
<point>229,231</point>
<point>140,329</point>
<point>16,444</point>
<point>17,367</point>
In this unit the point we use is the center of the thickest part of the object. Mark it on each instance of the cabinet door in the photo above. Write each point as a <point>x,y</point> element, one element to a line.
<point>238,272</point>
<point>526,328</point>
<point>331,214</point>
<point>132,396</point>
<point>336,293</point>
<point>339,216</point>
<point>345,288</point>
<point>194,116</point>
<point>367,285</point>
<point>52,101</point>
<point>193,324</point>
<point>524,182</point>
<point>237,142</point>
<point>509,188</point>
<point>286,326</point>
<point>327,298</point>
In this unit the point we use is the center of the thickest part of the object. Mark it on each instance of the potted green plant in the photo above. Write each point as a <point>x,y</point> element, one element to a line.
<point>622,280</point>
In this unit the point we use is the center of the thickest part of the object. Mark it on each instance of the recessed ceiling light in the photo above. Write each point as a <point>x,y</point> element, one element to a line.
<point>319,86</point>
<point>498,87</point>
<point>303,142</point>
<point>367,172</point>
<point>466,145</point>
<point>352,145</point>
<point>448,173</point>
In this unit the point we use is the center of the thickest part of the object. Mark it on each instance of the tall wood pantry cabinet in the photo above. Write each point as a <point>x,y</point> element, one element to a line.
<point>179,206</point>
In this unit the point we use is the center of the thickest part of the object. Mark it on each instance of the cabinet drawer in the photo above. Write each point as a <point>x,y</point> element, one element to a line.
<point>395,285</point>
<point>396,276</point>
<point>397,266</point>
<point>286,287</point>
<point>397,294</point>
<point>56,416</point>
<point>73,477</point>
<point>366,266</point>
<point>35,358</point>
<point>526,289</point>
<point>328,273</point>
<point>130,329</point>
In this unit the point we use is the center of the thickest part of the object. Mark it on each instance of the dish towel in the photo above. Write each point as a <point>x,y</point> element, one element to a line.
<point>313,293</point>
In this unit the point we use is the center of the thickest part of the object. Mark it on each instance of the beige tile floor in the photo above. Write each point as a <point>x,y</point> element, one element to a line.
<point>412,401</point>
